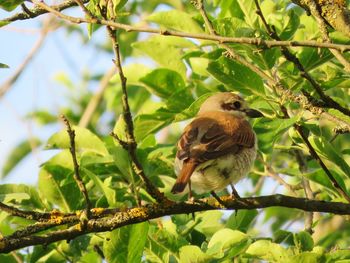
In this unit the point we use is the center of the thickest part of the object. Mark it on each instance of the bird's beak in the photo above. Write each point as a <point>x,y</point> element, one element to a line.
<point>253,113</point>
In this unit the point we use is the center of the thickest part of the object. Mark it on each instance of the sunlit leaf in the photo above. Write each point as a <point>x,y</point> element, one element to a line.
<point>236,76</point>
<point>126,244</point>
<point>175,19</point>
<point>84,139</point>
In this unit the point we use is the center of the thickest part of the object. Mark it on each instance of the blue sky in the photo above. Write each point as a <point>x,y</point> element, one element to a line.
<point>36,88</point>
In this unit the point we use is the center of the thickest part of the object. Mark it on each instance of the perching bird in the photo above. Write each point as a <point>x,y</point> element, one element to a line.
<point>218,147</point>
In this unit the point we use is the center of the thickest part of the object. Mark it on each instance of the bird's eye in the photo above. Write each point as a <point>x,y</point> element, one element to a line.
<point>237,104</point>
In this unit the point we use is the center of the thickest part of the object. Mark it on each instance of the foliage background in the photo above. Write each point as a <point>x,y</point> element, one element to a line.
<point>168,78</point>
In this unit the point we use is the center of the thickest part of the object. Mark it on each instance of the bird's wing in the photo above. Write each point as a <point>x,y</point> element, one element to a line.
<point>209,137</point>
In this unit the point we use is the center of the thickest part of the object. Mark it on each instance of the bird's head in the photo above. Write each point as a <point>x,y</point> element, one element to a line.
<point>230,103</point>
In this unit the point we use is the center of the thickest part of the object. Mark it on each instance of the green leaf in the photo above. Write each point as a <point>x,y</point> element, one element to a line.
<point>283,236</point>
<point>241,220</point>
<point>190,254</point>
<point>209,222</point>
<point>270,130</point>
<point>192,110</point>
<point>56,182</point>
<point>225,241</point>
<point>247,7</point>
<point>163,82</point>
<point>165,51</point>
<point>326,149</point>
<point>2,65</point>
<point>18,154</point>
<point>292,24</point>
<point>175,19</point>
<point>309,257</point>
<point>303,241</point>
<point>121,159</point>
<point>341,255</point>
<point>151,123</point>
<point>42,117</point>
<point>26,196</point>
<point>266,250</point>
<point>163,244</point>
<point>118,4</point>
<point>230,8</point>
<point>199,65</point>
<point>9,5</point>
<point>126,244</point>
<point>104,187</point>
<point>233,27</point>
<point>311,58</point>
<point>8,258</point>
<point>319,176</point>
<point>236,76</point>
<point>84,140</point>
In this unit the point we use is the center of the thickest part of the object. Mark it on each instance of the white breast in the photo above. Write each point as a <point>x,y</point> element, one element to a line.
<point>214,175</point>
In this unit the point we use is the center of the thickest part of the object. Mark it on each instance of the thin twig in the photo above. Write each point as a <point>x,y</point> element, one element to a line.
<point>83,7</point>
<point>77,177</point>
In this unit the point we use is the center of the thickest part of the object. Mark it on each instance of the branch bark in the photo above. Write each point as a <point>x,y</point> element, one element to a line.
<point>141,214</point>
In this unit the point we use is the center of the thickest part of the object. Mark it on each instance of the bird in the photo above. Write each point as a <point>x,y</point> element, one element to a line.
<point>218,148</point>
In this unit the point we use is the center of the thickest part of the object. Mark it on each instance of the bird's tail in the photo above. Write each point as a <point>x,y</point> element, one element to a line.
<point>185,174</point>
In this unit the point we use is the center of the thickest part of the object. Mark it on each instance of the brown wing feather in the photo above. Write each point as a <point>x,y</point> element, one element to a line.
<point>210,136</point>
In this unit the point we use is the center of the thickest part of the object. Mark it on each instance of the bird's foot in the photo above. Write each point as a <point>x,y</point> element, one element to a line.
<point>234,193</point>
<point>221,202</point>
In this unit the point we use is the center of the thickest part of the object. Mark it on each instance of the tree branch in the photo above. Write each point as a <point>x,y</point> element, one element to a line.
<point>37,11</point>
<point>151,211</point>
<point>131,142</point>
<point>30,215</point>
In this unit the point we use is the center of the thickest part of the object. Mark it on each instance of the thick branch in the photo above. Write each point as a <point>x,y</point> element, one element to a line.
<point>145,213</point>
